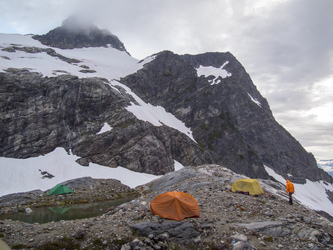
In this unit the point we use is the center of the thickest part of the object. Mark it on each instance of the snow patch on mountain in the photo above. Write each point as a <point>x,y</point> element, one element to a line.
<point>148,59</point>
<point>103,62</point>
<point>218,73</point>
<point>106,127</point>
<point>254,100</point>
<point>156,115</point>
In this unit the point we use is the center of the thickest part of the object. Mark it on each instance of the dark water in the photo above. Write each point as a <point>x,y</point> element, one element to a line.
<point>48,214</point>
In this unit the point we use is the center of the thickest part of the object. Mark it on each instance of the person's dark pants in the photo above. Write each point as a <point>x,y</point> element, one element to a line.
<point>290,198</point>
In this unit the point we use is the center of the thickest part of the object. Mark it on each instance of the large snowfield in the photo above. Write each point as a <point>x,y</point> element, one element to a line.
<point>21,175</point>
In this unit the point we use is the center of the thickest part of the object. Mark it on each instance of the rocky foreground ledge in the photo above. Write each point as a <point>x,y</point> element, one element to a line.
<point>227,220</point>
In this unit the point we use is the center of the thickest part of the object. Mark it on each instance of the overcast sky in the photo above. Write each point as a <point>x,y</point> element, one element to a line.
<point>285,45</point>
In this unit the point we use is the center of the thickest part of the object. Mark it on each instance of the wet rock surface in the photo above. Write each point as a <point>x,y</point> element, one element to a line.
<point>227,220</point>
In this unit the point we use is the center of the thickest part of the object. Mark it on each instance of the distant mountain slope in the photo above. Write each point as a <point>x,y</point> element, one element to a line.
<point>327,165</point>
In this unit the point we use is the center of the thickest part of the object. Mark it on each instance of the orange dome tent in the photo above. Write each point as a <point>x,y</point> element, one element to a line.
<point>175,205</point>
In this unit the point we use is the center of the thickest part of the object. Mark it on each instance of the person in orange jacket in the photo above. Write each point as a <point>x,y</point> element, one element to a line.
<point>290,190</point>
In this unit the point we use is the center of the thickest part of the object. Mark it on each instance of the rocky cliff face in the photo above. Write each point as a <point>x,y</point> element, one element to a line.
<point>232,123</point>
<point>39,114</point>
<point>230,119</point>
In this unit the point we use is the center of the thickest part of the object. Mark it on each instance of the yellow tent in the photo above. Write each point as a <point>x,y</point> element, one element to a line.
<point>3,245</point>
<point>247,185</point>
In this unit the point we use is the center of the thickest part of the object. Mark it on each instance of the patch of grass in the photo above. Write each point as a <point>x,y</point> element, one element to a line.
<point>123,126</point>
<point>118,242</point>
<point>241,157</point>
<point>203,126</point>
<point>269,239</point>
<point>252,153</point>
<point>207,93</point>
<point>64,243</point>
<point>215,134</point>
<point>97,243</point>
<point>201,145</point>
<point>190,88</point>
<point>19,246</point>
<point>173,246</point>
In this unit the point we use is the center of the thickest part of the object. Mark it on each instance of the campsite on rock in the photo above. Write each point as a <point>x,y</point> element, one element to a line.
<point>184,145</point>
<point>227,220</point>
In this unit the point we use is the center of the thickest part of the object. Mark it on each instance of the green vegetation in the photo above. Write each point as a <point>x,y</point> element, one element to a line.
<point>188,89</point>
<point>201,145</point>
<point>215,134</point>
<point>64,243</point>
<point>207,93</point>
<point>19,246</point>
<point>252,153</point>
<point>97,243</point>
<point>241,157</point>
<point>269,239</point>
<point>121,241</point>
<point>123,126</point>
<point>203,126</point>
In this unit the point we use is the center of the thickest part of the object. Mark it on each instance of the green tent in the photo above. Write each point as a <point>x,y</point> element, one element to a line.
<point>60,189</point>
<point>60,210</point>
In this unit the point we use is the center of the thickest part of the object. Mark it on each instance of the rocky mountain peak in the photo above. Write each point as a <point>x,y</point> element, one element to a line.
<point>218,115</point>
<point>77,24</point>
<point>78,32</point>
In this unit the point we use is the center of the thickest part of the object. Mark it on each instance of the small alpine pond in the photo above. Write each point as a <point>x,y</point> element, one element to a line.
<point>47,214</point>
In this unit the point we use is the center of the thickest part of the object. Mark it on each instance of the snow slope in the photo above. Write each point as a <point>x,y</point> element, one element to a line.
<point>20,175</point>
<point>311,194</point>
<point>107,62</point>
